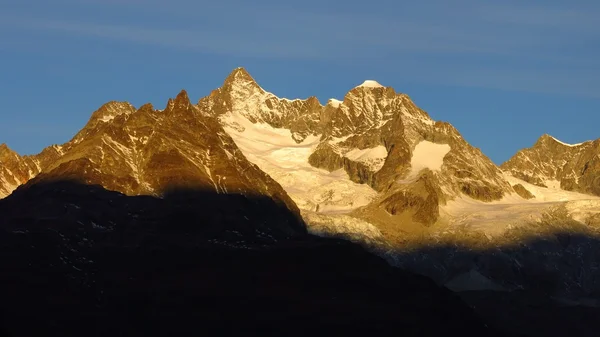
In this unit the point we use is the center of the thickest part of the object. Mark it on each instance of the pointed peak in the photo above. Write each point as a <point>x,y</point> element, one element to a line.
<point>182,97</point>
<point>239,74</point>
<point>181,101</point>
<point>4,150</point>
<point>146,107</point>
<point>312,100</point>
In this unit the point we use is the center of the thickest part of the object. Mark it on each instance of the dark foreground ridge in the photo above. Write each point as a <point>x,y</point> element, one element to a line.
<point>78,260</point>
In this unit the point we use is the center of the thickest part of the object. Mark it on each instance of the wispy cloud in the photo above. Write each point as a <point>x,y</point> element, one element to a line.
<point>505,45</point>
<point>195,40</point>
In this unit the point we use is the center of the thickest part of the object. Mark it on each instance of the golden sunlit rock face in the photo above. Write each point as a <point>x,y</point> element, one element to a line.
<point>572,167</point>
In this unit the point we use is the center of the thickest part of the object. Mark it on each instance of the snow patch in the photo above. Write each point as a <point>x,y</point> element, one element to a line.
<point>372,157</point>
<point>496,217</point>
<point>276,153</point>
<point>566,144</point>
<point>370,84</point>
<point>428,155</point>
<point>553,193</point>
<point>291,100</point>
<point>334,102</point>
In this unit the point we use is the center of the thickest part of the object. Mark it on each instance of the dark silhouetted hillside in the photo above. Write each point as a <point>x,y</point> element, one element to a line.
<point>79,260</point>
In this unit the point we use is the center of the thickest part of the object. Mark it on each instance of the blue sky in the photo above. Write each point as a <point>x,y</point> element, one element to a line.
<point>502,72</point>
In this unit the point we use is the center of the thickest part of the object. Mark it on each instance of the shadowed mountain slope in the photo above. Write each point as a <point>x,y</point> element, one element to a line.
<point>80,260</point>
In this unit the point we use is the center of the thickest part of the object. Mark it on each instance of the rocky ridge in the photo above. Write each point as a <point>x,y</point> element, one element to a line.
<point>550,162</point>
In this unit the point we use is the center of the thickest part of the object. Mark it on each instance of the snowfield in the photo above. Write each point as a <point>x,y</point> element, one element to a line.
<point>495,217</point>
<point>286,161</point>
<point>374,157</point>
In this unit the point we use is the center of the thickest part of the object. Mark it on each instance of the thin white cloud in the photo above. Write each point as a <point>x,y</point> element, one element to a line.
<point>506,46</point>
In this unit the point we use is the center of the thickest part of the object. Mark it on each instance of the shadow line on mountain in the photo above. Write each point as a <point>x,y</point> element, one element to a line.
<point>81,260</point>
<point>70,249</point>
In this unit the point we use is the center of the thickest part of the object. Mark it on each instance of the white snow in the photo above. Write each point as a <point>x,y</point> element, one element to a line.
<point>563,143</point>
<point>372,157</point>
<point>291,100</point>
<point>497,216</point>
<point>334,102</point>
<point>552,184</point>
<point>107,118</point>
<point>552,194</point>
<point>276,153</point>
<point>428,155</point>
<point>370,84</point>
<point>59,149</point>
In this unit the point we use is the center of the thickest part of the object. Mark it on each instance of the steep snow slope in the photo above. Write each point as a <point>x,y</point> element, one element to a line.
<point>275,152</point>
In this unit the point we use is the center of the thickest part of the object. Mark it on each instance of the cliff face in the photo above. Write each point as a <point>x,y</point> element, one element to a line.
<point>552,163</point>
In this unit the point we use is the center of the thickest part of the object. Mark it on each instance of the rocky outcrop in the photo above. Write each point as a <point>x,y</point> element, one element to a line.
<point>14,170</point>
<point>552,163</point>
<point>327,157</point>
<point>523,192</point>
<point>420,199</point>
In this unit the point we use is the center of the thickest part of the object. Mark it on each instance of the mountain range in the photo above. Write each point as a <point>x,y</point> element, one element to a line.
<point>374,155</point>
<point>373,168</point>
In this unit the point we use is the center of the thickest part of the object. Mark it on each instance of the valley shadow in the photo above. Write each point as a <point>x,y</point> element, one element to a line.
<point>78,260</point>
<point>537,285</point>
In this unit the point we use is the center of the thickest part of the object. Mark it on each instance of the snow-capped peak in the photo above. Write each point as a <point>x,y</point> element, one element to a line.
<point>370,84</point>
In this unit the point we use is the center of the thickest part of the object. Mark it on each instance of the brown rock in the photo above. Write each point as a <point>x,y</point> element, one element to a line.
<point>523,192</point>
<point>575,167</point>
